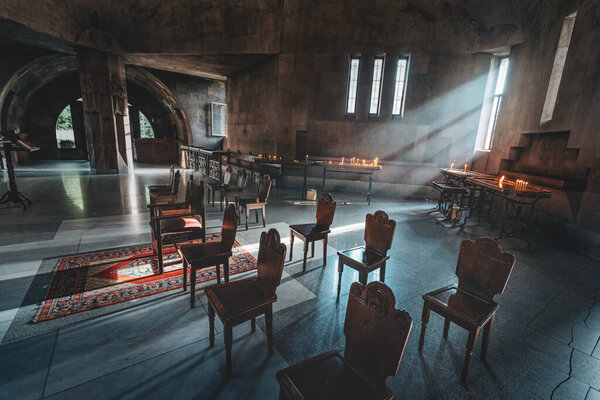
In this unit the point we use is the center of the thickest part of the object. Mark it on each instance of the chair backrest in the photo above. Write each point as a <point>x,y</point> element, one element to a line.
<point>325,211</point>
<point>175,183</point>
<point>195,196</point>
<point>376,333</point>
<point>227,175</point>
<point>264,188</point>
<point>271,256</point>
<point>231,219</point>
<point>482,268</point>
<point>379,232</point>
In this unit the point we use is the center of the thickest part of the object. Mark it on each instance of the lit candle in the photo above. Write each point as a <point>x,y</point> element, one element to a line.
<point>465,171</point>
<point>500,181</point>
<point>342,161</point>
<point>451,166</point>
<point>375,161</point>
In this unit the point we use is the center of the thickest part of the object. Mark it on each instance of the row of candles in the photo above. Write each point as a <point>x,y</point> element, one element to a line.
<point>520,184</point>
<point>354,161</point>
<point>464,170</point>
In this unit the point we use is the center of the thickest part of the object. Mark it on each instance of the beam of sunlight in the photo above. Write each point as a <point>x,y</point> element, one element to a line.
<point>72,185</point>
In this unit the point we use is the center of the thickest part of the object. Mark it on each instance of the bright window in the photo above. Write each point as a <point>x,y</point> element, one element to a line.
<point>557,68</point>
<point>65,136</point>
<point>496,101</point>
<point>146,130</point>
<point>352,85</point>
<point>376,86</point>
<point>400,86</point>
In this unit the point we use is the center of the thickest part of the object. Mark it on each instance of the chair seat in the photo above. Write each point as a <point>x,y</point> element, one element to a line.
<point>309,230</point>
<point>462,305</point>
<point>180,224</point>
<point>327,376</point>
<point>203,253</point>
<point>362,257</point>
<point>248,202</point>
<point>234,298</point>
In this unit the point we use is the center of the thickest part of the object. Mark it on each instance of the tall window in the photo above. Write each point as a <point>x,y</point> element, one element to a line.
<point>497,100</point>
<point>65,136</point>
<point>558,67</point>
<point>352,85</point>
<point>146,130</point>
<point>400,86</point>
<point>376,86</point>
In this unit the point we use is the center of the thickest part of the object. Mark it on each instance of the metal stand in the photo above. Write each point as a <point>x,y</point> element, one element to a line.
<point>13,193</point>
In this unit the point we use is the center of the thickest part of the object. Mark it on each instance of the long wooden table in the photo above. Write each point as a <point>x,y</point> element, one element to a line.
<point>518,205</point>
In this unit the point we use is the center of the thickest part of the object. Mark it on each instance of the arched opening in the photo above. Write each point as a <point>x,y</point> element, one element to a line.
<point>146,131</point>
<point>65,135</point>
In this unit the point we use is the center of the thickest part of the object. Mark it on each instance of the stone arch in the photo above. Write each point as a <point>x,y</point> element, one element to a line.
<point>24,83</point>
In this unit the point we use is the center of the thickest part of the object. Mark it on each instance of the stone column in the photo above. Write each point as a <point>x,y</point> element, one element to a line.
<point>102,77</point>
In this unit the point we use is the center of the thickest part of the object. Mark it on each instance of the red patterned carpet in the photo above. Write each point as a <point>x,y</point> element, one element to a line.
<point>89,281</point>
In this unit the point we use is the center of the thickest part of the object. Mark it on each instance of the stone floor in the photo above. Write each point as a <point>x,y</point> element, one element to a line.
<point>544,342</point>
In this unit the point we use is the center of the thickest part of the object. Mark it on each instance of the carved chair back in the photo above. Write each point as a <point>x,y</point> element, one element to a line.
<point>195,196</point>
<point>242,180</point>
<point>325,211</point>
<point>482,268</point>
<point>376,333</point>
<point>379,232</point>
<point>271,256</point>
<point>231,220</point>
<point>264,188</point>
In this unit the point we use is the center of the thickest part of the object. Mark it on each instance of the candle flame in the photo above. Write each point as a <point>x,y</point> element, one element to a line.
<point>501,180</point>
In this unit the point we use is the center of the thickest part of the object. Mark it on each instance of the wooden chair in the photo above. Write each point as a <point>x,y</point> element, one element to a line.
<point>483,271</point>
<point>376,336</point>
<point>230,191</point>
<point>379,233</point>
<point>247,204</point>
<point>309,233</point>
<point>245,299</point>
<point>173,223</point>
<point>164,188</point>
<point>161,194</point>
<point>207,254</point>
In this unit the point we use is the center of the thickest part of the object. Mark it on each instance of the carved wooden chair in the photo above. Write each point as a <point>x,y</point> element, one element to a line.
<point>483,271</point>
<point>208,254</point>
<point>173,223</point>
<point>164,188</point>
<point>379,233</point>
<point>234,191</point>
<point>376,336</point>
<point>239,301</point>
<point>247,204</point>
<point>309,233</point>
<point>164,194</point>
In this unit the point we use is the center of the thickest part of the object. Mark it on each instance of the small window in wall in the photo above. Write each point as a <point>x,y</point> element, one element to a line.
<point>558,67</point>
<point>400,86</point>
<point>376,86</point>
<point>496,102</point>
<point>65,136</point>
<point>146,131</point>
<point>352,85</point>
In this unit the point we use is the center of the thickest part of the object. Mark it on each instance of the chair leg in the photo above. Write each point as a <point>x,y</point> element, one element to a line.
<point>487,331</point>
<point>247,215</point>
<point>211,323</point>
<point>253,324</point>
<point>264,215</point>
<point>192,286</point>
<point>446,328</point>
<point>159,251</point>
<point>291,244</point>
<point>470,344</point>
<point>305,253</point>
<point>382,273</point>
<point>312,249</point>
<point>424,322</point>
<point>218,270</point>
<point>256,214</point>
<point>228,342</point>
<point>340,271</point>
<point>325,251</point>
<point>362,277</point>
<point>226,270</point>
<point>269,326</point>
<point>185,268</point>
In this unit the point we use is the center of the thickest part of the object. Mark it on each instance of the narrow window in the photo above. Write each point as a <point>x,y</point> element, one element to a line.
<point>146,130</point>
<point>558,67</point>
<point>376,87</point>
<point>65,136</point>
<point>400,86</point>
<point>352,85</point>
<point>496,101</point>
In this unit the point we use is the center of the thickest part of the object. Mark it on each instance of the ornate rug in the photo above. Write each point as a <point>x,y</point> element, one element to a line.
<point>86,282</point>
